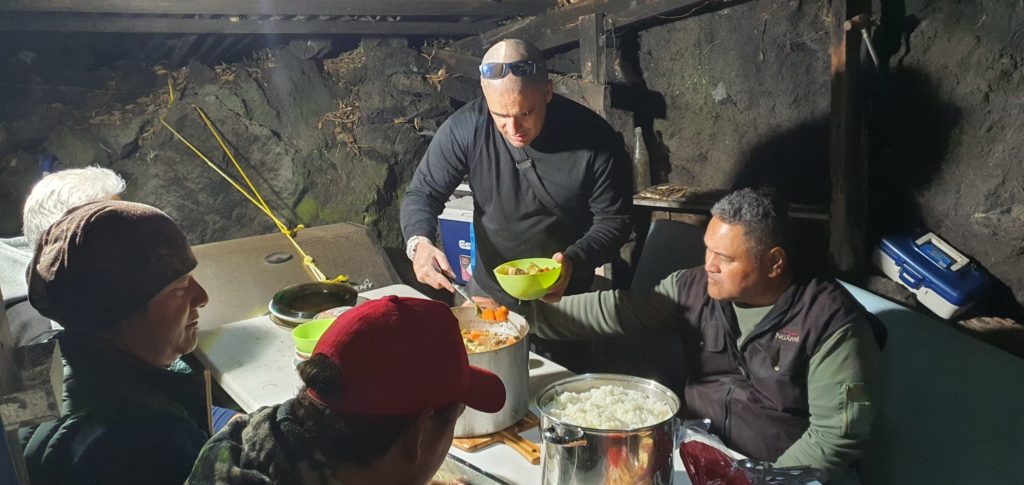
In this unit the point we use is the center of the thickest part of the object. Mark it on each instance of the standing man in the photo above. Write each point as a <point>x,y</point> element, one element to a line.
<point>549,178</point>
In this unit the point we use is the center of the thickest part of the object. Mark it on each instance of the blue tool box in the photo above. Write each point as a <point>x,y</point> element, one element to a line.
<point>943,279</point>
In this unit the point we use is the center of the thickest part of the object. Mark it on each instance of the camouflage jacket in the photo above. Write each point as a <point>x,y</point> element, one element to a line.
<point>263,448</point>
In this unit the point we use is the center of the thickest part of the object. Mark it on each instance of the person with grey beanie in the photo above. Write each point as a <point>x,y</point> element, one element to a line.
<point>117,276</point>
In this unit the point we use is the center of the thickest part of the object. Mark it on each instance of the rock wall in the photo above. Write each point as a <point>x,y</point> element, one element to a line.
<point>946,135</point>
<point>323,140</point>
<point>731,98</point>
<point>741,96</point>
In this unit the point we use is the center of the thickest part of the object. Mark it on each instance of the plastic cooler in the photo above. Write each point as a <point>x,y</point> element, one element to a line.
<point>943,279</point>
<point>456,233</point>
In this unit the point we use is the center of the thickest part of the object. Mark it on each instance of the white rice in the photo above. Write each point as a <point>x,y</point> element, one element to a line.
<point>609,407</point>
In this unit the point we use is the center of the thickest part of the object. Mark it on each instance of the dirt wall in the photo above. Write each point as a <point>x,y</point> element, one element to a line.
<point>741,96</point>
<point>946,143</point>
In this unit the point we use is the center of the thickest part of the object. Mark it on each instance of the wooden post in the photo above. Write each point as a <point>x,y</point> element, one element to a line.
<point>593,54</point>
<point>847,244</point>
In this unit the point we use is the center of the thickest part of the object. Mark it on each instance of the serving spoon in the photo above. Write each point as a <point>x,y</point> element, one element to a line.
<point>465,295</point>
<point>476,306</point>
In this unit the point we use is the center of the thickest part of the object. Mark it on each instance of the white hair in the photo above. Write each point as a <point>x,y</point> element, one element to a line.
<point>52,196</point>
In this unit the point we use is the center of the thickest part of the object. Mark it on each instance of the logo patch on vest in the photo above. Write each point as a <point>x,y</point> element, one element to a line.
<point>787,336</point>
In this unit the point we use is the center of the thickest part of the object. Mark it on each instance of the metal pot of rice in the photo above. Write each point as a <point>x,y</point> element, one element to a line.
<point>607,429</point>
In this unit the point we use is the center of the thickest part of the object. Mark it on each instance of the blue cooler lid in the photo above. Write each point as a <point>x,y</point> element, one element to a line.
<point>935,265</point>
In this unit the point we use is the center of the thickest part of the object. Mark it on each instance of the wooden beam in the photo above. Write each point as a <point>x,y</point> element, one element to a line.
<point>458,63</point>
<point>536,27</point>
<point>286,7</point>
<point>100,23</point>
<point>558,28</point>
<point>593,56</point>
<point>595,96</point>
<point>590,94</point>
<point>848,167</point>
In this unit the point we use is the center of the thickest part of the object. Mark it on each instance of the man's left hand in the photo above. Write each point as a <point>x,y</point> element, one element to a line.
<point>558,289</point>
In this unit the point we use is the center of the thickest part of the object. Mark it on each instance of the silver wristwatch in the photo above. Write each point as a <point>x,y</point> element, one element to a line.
<point>410,245</point>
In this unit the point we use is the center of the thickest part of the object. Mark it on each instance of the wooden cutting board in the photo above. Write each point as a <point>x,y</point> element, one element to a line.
<point>510,436</point>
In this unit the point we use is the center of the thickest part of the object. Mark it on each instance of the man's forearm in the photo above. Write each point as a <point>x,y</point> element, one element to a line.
<point>418,215</point>
<point>606,313</point>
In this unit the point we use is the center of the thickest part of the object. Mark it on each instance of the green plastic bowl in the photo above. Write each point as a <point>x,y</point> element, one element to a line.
<point>307,334</point>
<point>528,287</point>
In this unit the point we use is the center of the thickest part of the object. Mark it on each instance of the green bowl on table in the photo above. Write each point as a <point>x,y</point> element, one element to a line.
<point>542,273</point>
<point>307,334</point>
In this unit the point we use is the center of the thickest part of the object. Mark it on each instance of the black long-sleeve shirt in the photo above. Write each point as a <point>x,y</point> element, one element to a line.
<point>580,161</point>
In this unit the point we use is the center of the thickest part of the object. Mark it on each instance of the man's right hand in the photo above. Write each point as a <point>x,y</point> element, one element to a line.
<point>431,267</point>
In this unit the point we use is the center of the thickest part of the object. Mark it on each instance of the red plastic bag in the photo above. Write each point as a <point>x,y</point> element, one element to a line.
<point>708,461</point>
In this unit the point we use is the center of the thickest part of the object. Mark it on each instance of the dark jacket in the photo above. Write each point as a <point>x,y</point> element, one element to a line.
<point>124,421</point>
<point>580,162</point>
<point>756,393</point>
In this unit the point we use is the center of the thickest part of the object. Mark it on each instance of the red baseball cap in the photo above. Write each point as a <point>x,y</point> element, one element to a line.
<point>399,356</point>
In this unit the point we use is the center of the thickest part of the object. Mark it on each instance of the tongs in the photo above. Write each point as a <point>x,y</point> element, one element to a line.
<point>765,473</point>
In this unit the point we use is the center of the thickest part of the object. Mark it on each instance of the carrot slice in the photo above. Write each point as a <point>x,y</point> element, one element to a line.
<point>487,314</point>
<point>501,314</point>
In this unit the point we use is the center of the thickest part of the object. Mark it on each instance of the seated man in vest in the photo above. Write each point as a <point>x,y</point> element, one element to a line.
<point>382,392</point>
<point>117,276</point>
<point>785,366</point>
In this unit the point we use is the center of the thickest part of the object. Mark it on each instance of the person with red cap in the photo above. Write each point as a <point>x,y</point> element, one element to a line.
<point>381,395</point>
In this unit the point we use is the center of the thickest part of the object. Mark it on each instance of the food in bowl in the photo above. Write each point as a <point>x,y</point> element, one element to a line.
<point>532,268</point>
<point>480,340</point>
<point>332,313</point>
<point>528,279</point>
<point>609,407</point>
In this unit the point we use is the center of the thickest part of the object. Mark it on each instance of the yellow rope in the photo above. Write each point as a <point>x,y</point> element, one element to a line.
<point>255,197</point>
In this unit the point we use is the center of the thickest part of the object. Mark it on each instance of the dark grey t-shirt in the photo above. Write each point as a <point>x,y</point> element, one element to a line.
<point>580,161</point>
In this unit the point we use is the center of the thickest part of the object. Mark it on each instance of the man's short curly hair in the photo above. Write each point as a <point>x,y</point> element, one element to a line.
<point>761,213</point>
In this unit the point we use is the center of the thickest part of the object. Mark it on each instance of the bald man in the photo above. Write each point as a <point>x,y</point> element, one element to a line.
<point>550,178</point>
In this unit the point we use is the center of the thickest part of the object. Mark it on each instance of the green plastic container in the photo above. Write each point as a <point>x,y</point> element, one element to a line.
<point>528,287</point>
<point>307,334</point>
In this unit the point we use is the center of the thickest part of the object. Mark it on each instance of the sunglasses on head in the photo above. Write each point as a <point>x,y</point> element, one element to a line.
<point>498,70</point>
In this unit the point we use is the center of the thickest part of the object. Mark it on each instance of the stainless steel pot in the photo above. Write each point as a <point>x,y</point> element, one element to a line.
<point>511,363</point>
<point>578,455</point>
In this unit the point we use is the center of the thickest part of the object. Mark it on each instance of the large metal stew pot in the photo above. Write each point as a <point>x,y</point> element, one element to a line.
<point>511,363</point>
<point>579,455</point>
